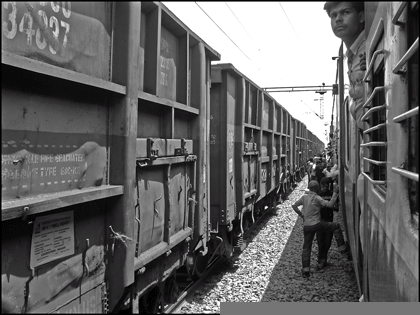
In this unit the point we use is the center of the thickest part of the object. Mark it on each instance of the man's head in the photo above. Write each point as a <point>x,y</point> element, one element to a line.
<point>313,186</point>
<point>347,20</point>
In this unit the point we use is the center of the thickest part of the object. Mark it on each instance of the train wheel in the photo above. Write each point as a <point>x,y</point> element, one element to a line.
<point>171,293</point>
<point>150,304</point>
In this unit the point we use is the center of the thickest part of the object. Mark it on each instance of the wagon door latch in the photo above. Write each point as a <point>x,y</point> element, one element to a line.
<point>152,150</point>
<point>183,150</point>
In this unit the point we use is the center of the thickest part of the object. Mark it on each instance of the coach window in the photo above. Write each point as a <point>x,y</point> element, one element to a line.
<point>376,132</point>
<point>413,122</point>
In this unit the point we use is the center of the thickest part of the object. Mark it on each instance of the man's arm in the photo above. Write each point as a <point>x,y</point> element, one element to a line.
<point>330,204</point>
<point>296,209</point>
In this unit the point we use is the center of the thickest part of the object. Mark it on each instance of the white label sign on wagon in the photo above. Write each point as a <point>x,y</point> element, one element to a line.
<point>52,238</point>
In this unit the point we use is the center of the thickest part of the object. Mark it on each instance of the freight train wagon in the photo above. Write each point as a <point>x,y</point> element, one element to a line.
<point>105,160</point>
<point>106,157</point>
<point>258,151</point>
<point>383,227</point>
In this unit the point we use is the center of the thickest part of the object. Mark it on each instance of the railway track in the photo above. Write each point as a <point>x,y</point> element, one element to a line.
<point>193,286</point>
<point>190,286</point>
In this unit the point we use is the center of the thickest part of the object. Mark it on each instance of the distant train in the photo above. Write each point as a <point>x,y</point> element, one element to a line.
<point>127,156</point>
<point>384,238</point>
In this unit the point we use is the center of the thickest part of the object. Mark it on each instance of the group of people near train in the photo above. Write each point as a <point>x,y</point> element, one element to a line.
<point>347,23</point>
<point>319,204</point>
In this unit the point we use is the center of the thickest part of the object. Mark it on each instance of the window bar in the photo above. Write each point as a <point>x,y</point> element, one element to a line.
<point>375,91</point>
<point>376,36</point>
<point>375,161</point>
<point>375,128</point>
<point>374,144</point>
<point>372,110</point>
<point>413,49</point>
<point>406,115</point>
<point>405,173</point>
<point>372,62</point>
<point>372,181</point>
<point>397,15</point>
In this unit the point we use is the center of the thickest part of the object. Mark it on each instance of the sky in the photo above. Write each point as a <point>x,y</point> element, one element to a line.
<point>274,44</point>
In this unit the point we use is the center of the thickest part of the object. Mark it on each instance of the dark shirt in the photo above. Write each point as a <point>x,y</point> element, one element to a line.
<point>327,213</point>
<point>318,171</point>
<point>312,203</point>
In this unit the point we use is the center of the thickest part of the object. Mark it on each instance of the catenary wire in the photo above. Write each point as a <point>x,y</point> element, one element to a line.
<point>289,20</point>
<point>238,20</point>
<point>222,30</point>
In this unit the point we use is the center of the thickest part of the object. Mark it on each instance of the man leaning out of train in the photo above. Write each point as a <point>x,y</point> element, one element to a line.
<point>348,23</point>
<point>311,215</point>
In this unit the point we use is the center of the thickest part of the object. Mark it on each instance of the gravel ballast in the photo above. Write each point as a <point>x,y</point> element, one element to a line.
<point>269,269</point>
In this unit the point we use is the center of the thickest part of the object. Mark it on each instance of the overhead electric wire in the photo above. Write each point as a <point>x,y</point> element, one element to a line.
<point>222,30</point>
<point>289,20</point>
<point>238,20</point>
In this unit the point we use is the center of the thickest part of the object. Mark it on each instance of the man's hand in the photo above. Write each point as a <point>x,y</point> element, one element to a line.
<point>336,189</point>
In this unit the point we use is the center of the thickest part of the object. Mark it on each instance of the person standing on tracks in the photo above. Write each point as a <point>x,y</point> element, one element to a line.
<point>348,23</point>
<point>324,238</point>
<point>312,223</point>
<point>309,167</point>
<point>319,167</point>
<point>331,172</point>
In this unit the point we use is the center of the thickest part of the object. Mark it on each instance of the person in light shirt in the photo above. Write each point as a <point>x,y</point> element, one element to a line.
<point>331,171</point>
<point>311,214</point>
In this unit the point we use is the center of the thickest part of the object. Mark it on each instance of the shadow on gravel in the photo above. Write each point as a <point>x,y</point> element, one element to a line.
<point>335,283</point>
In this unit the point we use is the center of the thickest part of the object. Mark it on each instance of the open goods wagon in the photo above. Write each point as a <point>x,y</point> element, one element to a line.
<point>380,206</point>
<point>104,155</point>
<point>258,151</point>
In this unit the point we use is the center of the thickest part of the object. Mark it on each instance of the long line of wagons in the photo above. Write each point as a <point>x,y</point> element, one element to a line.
<point>128,157</point>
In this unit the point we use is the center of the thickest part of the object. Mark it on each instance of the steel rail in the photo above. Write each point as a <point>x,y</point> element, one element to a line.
<point>193,287</point>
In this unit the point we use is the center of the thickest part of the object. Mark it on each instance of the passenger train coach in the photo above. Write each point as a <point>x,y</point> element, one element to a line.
<point>127,156</point>
<point>382,227</point>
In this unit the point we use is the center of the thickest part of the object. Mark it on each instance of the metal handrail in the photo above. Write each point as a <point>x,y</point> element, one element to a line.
<point>374,161</point>
<point>410,53</point>
<point>406,115</point>
<point>397,15</point>
<point>375,91</point>
<point>378,32</point>
<point>374,144</point>
<point>372,181</point>
<point>375,128</point>
<point>405,173</point>
<point>372,110</point>
<point>372,62</point>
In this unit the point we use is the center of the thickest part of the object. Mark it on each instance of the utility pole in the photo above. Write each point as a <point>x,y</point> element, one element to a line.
<point>321,101</point>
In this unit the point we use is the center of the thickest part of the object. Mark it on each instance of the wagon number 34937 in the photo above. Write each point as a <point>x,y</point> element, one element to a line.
<point>27,23</point>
